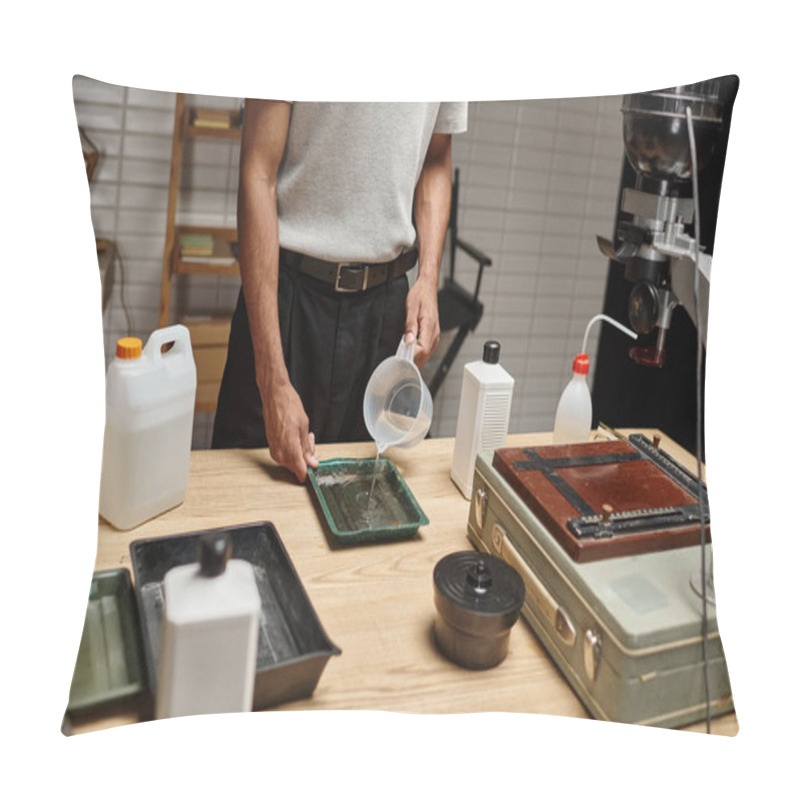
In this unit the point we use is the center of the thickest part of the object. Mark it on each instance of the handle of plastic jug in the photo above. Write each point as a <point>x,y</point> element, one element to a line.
<point>177,335</point>
<point>406,351</point>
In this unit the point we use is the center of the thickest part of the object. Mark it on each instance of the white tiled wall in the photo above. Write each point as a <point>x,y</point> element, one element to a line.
<point>539,181</point>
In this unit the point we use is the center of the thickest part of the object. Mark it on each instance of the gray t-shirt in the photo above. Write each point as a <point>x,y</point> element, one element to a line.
<point>347,179</point>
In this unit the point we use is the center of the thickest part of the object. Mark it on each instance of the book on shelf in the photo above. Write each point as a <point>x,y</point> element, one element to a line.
<point>205,249</point>
<point>196,244</point>
<point>217,261</point>
<point>210,118</point>
<point>196,240</point>
<point>212,125</point>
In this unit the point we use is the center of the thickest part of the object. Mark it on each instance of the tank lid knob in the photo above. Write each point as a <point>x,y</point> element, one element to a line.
<point>479,577</point>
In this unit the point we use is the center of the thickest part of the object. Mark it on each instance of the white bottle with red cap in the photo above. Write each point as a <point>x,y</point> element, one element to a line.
<point>574,413</point>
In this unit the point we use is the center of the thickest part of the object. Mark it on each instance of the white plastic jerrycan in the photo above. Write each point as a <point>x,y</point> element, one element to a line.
<point>148,435</point>
<point>398,407</point>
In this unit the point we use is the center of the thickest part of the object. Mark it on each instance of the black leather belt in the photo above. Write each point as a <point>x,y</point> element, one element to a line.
<point>349,276</point>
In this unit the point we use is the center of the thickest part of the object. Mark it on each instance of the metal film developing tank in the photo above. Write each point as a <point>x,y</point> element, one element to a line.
<point>656,137</point>
<point>478,598</point>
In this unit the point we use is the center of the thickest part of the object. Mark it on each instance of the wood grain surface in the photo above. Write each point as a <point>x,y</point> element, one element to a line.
<point>374,601</point>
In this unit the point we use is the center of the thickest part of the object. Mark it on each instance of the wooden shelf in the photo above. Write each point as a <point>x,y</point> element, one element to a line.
<point>209,337</point>
<point>223,237</point>
<point>209,355</point>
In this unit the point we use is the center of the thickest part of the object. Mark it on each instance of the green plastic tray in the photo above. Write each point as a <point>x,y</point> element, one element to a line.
<point>109,665</point>
<point>341,488</point>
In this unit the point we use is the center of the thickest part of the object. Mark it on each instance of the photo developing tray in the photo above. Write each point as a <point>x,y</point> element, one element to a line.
<point>108,670</point>
<point>293,648</point>
<point>364,500</point>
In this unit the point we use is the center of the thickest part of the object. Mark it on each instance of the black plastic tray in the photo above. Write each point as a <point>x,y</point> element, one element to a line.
<point>293,649</point>
<point>108,670</point>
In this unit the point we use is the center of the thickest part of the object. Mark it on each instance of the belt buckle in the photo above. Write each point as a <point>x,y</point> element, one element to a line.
<point>350,265</point>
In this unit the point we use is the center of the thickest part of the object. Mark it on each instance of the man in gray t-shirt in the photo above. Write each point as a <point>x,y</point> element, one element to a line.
<point>336,200</point>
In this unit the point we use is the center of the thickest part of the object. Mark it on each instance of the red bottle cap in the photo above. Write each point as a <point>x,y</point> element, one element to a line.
<point>581,364</point>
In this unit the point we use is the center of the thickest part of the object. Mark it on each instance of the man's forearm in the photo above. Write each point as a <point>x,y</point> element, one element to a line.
<point>432,207</point>
<point>263,139</point>
<point>432,215</point>
<point>258,262</point>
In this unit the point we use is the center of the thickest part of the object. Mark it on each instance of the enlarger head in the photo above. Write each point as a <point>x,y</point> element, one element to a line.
<point>654,126</point>
<point>651,237</point>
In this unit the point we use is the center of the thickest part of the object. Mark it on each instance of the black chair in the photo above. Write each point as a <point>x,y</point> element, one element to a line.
<point>460,311</point>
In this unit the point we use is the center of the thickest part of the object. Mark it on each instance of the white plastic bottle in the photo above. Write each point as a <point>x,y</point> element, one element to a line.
<point>483,414</point>
<point>209,634</point>
<point>148,434</point>
<point>573,421</point>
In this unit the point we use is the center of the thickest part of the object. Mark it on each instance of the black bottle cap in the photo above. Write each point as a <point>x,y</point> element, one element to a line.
<point>213,551</point>
<point>491,352</point>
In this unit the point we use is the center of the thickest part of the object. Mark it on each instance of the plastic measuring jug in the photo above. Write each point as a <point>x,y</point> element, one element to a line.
<point>397,404</point>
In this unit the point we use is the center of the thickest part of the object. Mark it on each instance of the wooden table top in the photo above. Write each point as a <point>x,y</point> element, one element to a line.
<point>375,602</point>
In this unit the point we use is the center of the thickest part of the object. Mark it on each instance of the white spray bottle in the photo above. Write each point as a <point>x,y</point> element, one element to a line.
<point>573,421</point>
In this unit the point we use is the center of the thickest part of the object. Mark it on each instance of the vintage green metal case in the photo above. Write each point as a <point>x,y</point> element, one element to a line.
<point>625,632</point>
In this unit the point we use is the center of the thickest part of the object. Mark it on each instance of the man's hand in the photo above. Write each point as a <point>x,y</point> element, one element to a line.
<point>286,426</point>
<point>422,319</point>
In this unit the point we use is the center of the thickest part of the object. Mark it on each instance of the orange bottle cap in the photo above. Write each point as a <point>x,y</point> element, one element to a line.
<point>581,364</point>
<point>129,347</point>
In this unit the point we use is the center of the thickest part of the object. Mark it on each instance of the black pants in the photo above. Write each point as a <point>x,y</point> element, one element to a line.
<point>331,344</point>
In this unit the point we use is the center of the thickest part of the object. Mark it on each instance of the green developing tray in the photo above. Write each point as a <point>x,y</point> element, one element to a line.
<point>364,500</point>
<point>109,665</point>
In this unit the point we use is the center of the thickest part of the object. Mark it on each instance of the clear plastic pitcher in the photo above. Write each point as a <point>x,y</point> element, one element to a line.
<point>398,407</point>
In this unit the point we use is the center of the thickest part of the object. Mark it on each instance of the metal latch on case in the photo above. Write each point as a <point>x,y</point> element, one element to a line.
<point>592,647</point>
<point>481,503</point>
<point>534,588</point>
<point>564,627</point>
